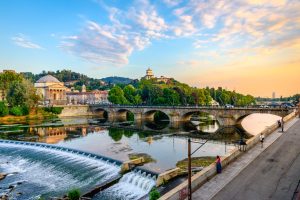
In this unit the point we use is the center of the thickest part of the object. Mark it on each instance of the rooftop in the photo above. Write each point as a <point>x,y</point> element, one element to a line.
<point>48,79</point>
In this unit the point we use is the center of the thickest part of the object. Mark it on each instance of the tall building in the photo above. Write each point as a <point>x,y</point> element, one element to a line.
<point>273,95</point>
<point>51,90</point>
<point>149,74</point>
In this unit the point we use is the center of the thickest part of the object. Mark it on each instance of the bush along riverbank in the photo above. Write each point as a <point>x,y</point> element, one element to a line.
<point>17,115</point>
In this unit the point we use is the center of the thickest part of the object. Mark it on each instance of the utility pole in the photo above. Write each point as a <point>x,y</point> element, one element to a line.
<point>189,171</point>
<point>190,165</point>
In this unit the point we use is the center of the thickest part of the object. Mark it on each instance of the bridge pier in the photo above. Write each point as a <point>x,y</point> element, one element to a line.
<point>138,116</point>
<point>111,116</point>
<point>226,120</point>
<point>174,120</point>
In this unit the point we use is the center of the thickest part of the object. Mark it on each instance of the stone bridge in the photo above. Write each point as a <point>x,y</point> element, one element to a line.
<point>176,114</point>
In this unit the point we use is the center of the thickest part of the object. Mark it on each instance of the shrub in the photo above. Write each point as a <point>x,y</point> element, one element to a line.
<point>54,110</point>
<point>16,111</point>
<point>154,194</point>
<point>74,194</point>
<point>25,110</point>
<point>3,109</point>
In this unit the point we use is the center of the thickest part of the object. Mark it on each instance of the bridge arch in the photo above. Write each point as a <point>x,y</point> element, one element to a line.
<point>101,112</point>
<point>152,115</point>
<point>125,114</point>
<point>188,115</point>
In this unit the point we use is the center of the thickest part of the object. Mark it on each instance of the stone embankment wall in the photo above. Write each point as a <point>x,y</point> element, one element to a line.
<point>78,110</point>
<point>180,192</point>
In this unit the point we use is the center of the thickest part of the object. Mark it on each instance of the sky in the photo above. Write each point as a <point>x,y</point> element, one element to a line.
<point>251,46</point>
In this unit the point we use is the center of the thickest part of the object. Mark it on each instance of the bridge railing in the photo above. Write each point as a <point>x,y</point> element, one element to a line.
<point>188,107</point>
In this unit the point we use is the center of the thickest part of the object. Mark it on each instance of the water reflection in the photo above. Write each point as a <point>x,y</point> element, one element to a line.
<point>120,138</point>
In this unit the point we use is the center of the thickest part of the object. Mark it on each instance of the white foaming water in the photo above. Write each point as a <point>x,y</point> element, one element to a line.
<point>133,185</point>
<point>50,172</point>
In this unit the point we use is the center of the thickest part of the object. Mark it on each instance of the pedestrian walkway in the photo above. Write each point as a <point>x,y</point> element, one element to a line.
<point>213,186</point>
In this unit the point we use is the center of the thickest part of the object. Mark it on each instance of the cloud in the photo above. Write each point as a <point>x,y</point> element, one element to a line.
<point>172,3</point>
<point>22,41</point>
<point>213,26</point>
<point>130,30</point>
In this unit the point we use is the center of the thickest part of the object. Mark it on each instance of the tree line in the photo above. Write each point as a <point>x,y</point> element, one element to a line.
<point>20,94</point>
<point>151,92</point>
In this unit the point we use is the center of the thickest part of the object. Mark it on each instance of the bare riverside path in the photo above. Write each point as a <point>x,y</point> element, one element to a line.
<point>271,172</point>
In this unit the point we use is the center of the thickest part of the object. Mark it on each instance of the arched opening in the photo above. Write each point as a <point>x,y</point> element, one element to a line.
<point>156,120</point>
<point>124,116</point>
<point>200,122</point>
<point>230,134</point>
<point>255,123</point>
<point>101,114</point>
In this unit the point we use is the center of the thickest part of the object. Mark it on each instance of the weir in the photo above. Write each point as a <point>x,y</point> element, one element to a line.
<point>133,185</point>
<point>53,170</point>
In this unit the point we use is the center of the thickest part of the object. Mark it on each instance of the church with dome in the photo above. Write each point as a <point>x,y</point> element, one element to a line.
<point>51,90</point>
<point>54,92</point>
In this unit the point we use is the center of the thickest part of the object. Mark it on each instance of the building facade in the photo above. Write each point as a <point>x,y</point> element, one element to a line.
<point>149,74</point>
<point>84,97</point>
<point>51,91</point>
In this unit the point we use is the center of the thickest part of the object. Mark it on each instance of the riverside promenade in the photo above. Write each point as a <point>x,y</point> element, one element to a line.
<point>268,172</point>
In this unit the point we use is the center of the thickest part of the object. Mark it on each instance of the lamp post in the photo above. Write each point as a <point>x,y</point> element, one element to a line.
<point>190,165</point>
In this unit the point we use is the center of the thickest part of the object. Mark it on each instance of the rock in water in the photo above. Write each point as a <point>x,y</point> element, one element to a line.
<point>2,176</point>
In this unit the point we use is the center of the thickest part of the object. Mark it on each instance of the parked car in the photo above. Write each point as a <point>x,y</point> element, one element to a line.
<point>264,106</point>
<point>229,106</point>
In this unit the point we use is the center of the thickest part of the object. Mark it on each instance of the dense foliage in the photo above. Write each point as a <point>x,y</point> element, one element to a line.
<point>150,92</point>
<point>154,194</point>
<point>117,80</point>
<point>76,80</point>
<point>224,97</point>
<point>74,194</point>
<point>20,93</point>
<point>3,109</point>
<point>54,110</point>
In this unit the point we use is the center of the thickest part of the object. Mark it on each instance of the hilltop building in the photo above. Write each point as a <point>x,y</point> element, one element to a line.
<point>149,75</point>
<point>51,91</point>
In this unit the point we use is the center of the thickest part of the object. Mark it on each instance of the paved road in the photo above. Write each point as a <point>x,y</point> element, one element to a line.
<point>274,174</point>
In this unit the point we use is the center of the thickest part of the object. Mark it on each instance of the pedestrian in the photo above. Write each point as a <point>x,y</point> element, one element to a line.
<point>279,123</point>
<point>262,138</point>
<point>282,125</point>
<point>218,165</point>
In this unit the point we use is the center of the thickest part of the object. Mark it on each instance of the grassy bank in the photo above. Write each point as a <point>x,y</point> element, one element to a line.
<point>33,116</point>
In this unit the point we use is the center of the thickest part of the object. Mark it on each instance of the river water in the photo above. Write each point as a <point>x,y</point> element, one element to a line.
<point>34,171</point>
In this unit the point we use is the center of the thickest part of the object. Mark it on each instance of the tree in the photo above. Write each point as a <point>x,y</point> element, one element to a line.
<point>16,95</point>
<point>116,96</point>
<point>3,109</point>
<point>22,93</point>
<point>132,95</point>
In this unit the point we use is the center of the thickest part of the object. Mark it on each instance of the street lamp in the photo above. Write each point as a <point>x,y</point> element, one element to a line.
<point>190,165</point>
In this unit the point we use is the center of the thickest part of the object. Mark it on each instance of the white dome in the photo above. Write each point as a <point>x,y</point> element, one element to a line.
<point>48,79</point>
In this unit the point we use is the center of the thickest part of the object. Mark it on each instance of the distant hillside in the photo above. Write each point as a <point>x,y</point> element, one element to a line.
<point>117,80</point>
<point>76,80</point>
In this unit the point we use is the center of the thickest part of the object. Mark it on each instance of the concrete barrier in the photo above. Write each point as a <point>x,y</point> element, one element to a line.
<point>127,165</point>
<point>180,192</point>
<point>167,175</point>
<point>76,110</point>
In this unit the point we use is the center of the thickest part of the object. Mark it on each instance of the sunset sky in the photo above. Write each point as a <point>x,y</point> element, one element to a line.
<point>252,46</point>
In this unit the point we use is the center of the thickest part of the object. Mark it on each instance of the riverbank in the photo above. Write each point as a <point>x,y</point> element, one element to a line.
<point>34,117</point>
<point>180,192</point>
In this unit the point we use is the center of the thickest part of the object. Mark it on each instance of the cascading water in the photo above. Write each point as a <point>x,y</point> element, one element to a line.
<point>34,171</point>
<point>132,185</point>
